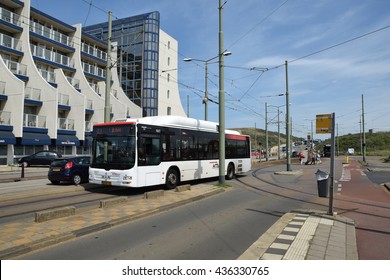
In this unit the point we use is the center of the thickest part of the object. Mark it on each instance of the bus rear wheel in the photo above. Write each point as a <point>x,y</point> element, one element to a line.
<point>230,172</point>
<point>172,179</point>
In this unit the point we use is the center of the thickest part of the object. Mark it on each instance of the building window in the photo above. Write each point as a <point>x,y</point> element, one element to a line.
<point>169,111</point>
<point>169,61</point>
<point>168,92</point>
<point>169,45</point>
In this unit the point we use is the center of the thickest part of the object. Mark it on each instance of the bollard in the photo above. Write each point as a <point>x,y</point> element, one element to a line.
<point>346,159</point>
<point>22,175</point>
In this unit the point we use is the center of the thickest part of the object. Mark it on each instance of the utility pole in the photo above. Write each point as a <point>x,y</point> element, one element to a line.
<point>364,133</point>
<point>278,134</point>
<point>288,124</point>
<point>188,106</point>
<point>221,94</point>
<point>266,132</point>
<point>107,106</point>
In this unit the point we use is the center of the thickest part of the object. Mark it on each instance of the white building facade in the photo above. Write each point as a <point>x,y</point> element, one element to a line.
<point>52,84</point>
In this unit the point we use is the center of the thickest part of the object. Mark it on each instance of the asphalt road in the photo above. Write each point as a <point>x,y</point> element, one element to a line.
<point>219,227</point>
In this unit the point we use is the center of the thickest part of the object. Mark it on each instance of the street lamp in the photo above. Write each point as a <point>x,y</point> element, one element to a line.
<point>206,62</point>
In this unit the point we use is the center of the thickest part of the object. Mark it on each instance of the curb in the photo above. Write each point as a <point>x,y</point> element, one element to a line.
<point>39,244</point>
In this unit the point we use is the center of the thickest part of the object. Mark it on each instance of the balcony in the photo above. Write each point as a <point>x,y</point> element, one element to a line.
<point>94,70</point>
<point>74,82</point>
<point>10,42</point>
<point>34,121</point>
<point>50,34</point>
<point>66,124</point>
<point>52,56</point>
<point>9,16</point>
<point>2,88</point>
<point>17,68</point>
<point>32,93</point>
<point>5,118</point>
<point>63,99</point>
<point>49,76</point>
<point>89,126</point>
<point>93,51</point>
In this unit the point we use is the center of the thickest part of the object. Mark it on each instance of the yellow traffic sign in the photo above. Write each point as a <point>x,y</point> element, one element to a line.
<point>324,123</point>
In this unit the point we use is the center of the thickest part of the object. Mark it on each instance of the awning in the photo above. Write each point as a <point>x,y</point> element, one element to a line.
<point>30,138</point>
<point>7,137</point>
<point>67,140</point>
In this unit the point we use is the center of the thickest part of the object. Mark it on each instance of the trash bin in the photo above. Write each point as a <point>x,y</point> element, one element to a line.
<point>322,183</point>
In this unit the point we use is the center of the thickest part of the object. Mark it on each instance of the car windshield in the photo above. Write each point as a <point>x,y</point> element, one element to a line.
<point>114,152</point>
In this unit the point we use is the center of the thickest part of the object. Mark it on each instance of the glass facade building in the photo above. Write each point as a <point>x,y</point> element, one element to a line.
<point>137,59</point>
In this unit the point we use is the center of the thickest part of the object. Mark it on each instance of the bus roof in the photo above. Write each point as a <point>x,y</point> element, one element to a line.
<point>177,122</point>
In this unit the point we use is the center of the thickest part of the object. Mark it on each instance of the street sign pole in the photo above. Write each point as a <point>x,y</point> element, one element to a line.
<point>332,158</point>
<point>326,124</point>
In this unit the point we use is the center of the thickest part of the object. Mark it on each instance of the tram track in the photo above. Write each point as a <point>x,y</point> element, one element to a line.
<point>25,206</point>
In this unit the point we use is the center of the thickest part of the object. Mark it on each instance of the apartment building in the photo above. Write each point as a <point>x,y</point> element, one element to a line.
<point>52,83</point>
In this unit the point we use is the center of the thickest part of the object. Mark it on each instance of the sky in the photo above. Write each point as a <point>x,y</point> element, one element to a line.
<point>337,51</point>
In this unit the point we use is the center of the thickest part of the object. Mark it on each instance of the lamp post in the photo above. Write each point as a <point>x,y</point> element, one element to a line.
<point>206,94</point>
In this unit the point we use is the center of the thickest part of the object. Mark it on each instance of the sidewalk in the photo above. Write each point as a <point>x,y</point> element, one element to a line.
<point>306,235</point>
<point>298,235</point>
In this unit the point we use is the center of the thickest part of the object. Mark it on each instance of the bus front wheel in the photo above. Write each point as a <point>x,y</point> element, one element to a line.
<point>172,179</point>
<point>230,171</point>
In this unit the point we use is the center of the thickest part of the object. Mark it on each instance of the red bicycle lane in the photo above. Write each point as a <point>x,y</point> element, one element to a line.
<point>368,204</point>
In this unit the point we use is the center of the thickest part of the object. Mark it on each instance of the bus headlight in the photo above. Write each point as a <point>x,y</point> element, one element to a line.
<point>127,177</point>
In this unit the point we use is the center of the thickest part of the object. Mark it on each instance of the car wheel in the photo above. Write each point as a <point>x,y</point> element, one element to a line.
<point>230,171</point>
<point>172,179</point>
<point>24,164</point>
<point>54,182</point>
<point>76,179</point>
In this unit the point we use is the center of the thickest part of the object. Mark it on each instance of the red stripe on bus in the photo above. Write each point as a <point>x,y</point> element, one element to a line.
<point>114,123</point>
<point>236,137</point>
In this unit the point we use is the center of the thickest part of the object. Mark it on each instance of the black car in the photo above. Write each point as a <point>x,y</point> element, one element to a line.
<point>39,158</point>
<point>69,169</point>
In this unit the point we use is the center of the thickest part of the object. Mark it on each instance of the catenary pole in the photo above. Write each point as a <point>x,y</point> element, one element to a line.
<point>107,107</point>
<point>288,123</point>
<point>221,94</point>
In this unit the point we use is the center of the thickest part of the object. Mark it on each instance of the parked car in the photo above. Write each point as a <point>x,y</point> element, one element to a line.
<point>69,169</point>
<point>39,158</point>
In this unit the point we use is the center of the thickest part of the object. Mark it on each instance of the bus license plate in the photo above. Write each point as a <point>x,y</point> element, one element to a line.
<point>106,183</point>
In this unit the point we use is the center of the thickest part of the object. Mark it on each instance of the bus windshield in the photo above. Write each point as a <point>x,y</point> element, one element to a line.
<point>113,150</point>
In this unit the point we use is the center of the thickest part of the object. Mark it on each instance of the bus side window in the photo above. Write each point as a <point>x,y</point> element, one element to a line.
<point>152,150</point>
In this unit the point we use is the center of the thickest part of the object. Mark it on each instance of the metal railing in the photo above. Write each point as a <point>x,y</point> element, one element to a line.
<point>9,16</point>
<point>10,42</point>
<point>32,93</point>
<point>31,120</point>
<point>16,67</point>
<point>5,118</point>
<point>93,69</point>
<point>93,51</point>
<point>63,99</point>
<point>50,33</point>
<point>64,123</point>
<point>2,88</point>
<point>52,56</point>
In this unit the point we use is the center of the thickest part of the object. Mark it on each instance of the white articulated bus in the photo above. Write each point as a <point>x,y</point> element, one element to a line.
<point>163,150</point>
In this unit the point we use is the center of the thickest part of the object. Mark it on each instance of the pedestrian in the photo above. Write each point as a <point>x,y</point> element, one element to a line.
<point>318,158</point>
<point>313,157</point>
<point>301,157</point>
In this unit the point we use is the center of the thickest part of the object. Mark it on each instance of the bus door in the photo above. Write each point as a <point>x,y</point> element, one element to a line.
<point>149,155</point>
